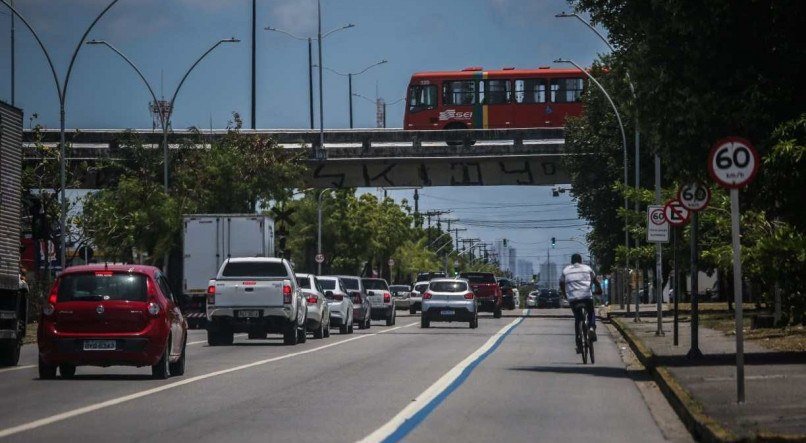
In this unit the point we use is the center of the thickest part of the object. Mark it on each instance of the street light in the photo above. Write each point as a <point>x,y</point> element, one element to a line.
<point>349,76</point>
<point>310,58</point>
<point>165,116</point>
<point>62,93</point>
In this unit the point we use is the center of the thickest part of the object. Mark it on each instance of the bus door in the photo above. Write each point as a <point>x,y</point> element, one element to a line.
<point>421,112</point>
<point>531,108</point>
<point>495,96</point>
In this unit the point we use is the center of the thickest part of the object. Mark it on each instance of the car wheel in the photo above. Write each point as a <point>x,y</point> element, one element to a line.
<point>67,370</point>
<point>390,319</point>
<point>412,311</point>
<point>344,327</point>
<point>178,368</point>
<point>303,333</point>
<point>290,335</point>
<point>475,322</point>
<point>10,353</point>
<point>46,371</point>
<point>161,371</point>
<point>320,331</point>
<point>350,327</point>
<point>424,323</point>
<point>369,322</point>
<point>327,329</point>
<point>497,312</point>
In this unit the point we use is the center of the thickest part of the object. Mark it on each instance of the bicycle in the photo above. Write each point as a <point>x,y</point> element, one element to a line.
<point>583,332</point>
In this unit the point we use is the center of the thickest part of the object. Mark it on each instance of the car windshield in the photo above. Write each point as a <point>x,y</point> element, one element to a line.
<point>304,282</point>
<point>399,288</point>
<point>327,283</point>
<point>480,277</point>
<point>103,285</point>
<point>350,283</point>
<point>448,286</point>
<point>254,269</point>
<point>372,283</point>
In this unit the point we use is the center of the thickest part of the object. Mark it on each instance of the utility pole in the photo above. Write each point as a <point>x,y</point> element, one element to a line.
<point>417,222</point>
<point>434,213</point>
<point>254,30</point>
<point>13,49</point>
<point>456,234</point>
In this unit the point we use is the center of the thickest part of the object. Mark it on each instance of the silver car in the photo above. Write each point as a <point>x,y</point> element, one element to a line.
<point>318,318</point>
<point>401,293</point>
<point>383,305</point>
<point>416,297</point>
<point>339,302</point>
<point>449,299</point>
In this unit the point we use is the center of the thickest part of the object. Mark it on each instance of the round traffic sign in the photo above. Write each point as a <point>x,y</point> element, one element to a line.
<point>657,217</point>
<point>675,213</point>
<point>733,162</point>
<point>694,196</point>
<point>320,258</point>
<point>391,262</point>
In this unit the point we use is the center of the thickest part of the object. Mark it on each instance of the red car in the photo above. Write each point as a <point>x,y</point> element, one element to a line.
<point>105,315</point>
<point>488,292</point>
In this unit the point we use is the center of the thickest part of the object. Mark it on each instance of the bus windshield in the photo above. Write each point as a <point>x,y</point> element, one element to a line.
<point>422,97</point>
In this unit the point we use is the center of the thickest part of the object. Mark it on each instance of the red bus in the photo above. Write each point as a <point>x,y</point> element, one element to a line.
<point>508,98</point>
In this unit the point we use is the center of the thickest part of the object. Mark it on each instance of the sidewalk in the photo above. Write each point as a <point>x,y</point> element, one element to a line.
<point>703,391</point>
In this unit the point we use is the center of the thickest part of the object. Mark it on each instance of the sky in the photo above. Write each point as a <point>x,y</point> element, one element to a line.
<point>163,38</point>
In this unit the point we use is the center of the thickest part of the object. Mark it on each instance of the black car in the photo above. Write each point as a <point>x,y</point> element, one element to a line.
<point>507,292</point>
<point>548,298</point>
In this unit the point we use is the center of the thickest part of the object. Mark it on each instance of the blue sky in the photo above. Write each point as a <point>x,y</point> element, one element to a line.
<point>164,37</point>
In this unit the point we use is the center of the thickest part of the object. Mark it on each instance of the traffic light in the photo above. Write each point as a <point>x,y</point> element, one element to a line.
<point>553,242</point>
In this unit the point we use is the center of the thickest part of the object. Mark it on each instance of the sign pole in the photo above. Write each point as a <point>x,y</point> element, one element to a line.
<point>675,286</point>
<point>737,293</point>
<point>694,352</point>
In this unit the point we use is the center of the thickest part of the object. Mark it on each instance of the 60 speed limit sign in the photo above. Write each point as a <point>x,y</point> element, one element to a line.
<point>694,196</point>
<point>733,162</point>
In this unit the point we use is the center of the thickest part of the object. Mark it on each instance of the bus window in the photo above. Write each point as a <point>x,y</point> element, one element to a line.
<point>460,92</point>
<point>566,90</point>
<point>530,90</point>
<point>498,92</point>
<point>422,97</point>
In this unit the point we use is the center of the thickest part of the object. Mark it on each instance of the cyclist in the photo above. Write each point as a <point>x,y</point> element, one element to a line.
<point>575,284</point>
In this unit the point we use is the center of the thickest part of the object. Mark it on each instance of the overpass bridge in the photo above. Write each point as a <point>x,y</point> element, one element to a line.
<point>364,157</point>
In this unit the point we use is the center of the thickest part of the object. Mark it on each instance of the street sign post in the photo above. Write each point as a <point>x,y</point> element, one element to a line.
<point>320,258</point>
<point>733,163</point>
<point>695,197</point>
<point>657,227</point>
<point>391,262</point>
<point>677,215</point>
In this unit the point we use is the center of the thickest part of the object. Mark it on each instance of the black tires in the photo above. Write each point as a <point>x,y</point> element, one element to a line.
<point>161,370</point>
<point>390,319</point>
<point>302,332</point>
<point>475,322</point>
<point>319,332</point>
<point>344,327</point>
<point>425,323</point>
<point>178,368</point>
<point>290,335</point>
<point>46,371</point>
<point>10,352</point>
<point>219,335</point>
<point>497,312</point>
<point>412,311</point>
<point>67,370</point>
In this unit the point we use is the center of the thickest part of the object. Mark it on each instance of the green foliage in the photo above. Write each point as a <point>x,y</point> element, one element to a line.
<point>413,256</point>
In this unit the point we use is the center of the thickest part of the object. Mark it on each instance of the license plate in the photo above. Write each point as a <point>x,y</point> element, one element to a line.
<point>99,345</point>
<point>254,313</point>
<point>446,312</point>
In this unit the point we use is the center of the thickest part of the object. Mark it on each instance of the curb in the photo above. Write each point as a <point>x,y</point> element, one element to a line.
<point>702,427</point>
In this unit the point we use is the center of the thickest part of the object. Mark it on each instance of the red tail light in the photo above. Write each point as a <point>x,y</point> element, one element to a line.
<point>387,297</point>
<point>338,297</point>
<point>287,290</point>
<point>250,283</point>
<point>54,292</point>
<point>152,290</point>
<point>103,274</point>
<point>427,296</point>
<point>469,296</point>
<point>311,300</point>
<point>211,295</point>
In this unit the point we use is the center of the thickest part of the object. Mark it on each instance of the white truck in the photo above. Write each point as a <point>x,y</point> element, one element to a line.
<point>13,289</point>
<point>208,240</point>
<point>256,295</point>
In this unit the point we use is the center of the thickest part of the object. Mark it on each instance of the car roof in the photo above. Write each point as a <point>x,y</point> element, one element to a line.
<point>303,275</point>
<point>143,269</point>
<point>439,280</point>
<point>255,259</point>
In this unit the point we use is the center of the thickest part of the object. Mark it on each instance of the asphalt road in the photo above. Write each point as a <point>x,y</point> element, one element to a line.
<point>518,379</point>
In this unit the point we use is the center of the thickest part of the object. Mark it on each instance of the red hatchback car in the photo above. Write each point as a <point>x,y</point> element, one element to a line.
<point>105,315</point>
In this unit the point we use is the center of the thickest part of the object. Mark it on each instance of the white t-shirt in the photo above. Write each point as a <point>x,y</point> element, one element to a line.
<point>578,278</point>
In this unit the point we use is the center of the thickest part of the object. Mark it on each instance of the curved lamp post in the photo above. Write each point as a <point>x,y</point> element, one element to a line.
<point>310,59</point>
<point>61,89</point>
<point>165,117</point>
<point>350,76</point>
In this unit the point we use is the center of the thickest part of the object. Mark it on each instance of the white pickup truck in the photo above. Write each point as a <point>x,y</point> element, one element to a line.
<point>257,295</point>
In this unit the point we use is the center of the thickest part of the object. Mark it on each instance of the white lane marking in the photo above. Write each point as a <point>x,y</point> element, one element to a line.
<point>435,389</point>
<point>116,401</point>
<point>17,368</point>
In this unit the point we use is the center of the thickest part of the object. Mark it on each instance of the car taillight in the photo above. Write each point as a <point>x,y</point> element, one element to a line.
<point>427,296</point>
<point>287,290</point>
<point>311,300</point>
<point>387,297</point>
<point>338,297</point>
<point>211,295</point>
<point>469,296</point>
<point>54,293</point>
<point>153,309</point>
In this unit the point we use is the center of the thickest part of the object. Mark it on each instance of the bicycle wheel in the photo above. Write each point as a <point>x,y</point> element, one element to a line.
<point>590,350</point>
<point>583,334</point>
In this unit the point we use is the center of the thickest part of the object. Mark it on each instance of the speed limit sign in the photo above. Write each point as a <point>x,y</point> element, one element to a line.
<point>733,162</point>
<point>694,196</point>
